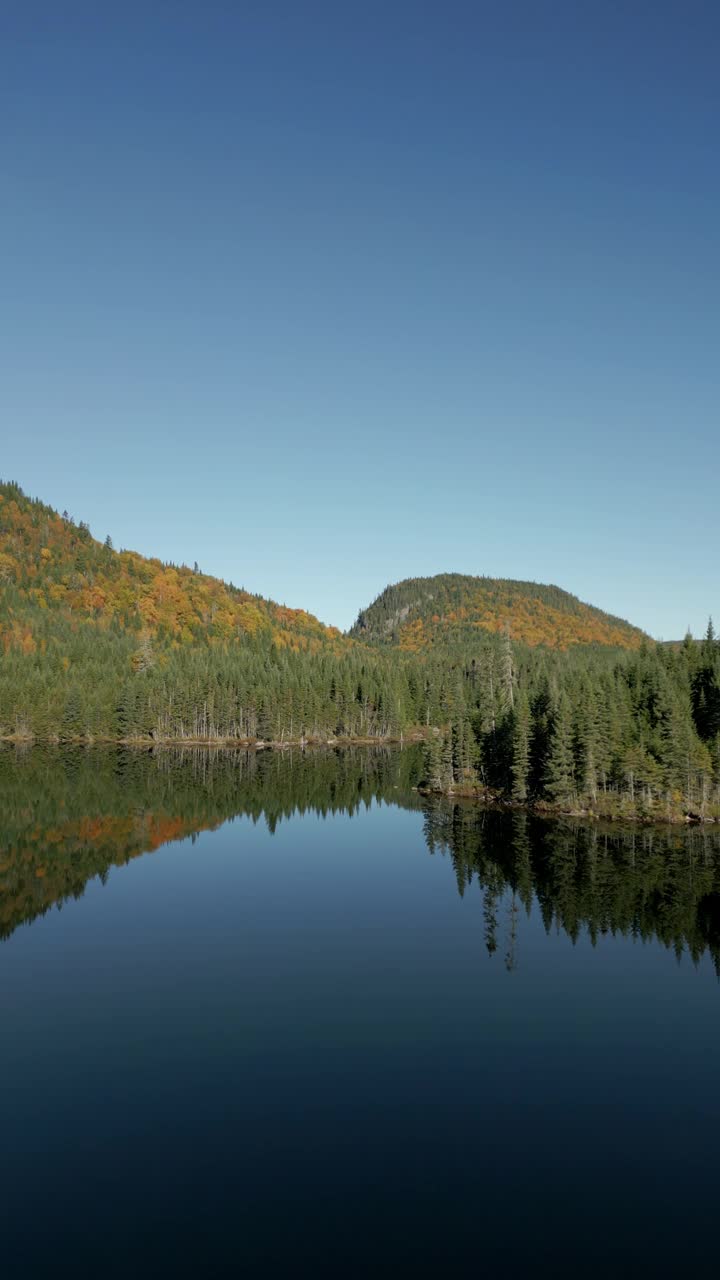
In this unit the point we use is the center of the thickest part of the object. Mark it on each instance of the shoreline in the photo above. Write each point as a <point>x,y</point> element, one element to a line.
<point>473,794</point>
<point>477,795</point>
<point>257,744</point>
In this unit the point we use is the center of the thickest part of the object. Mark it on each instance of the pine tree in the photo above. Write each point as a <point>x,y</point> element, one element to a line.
<point>521,749</point>
<point>508,671</point>
<point>446,758</point>
<point>462,748</point>
<point>560,768</point>
<point>434,771</point>
<point>587,753</point>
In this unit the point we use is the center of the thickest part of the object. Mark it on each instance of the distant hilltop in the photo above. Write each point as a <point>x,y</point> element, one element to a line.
<point>450,609</point>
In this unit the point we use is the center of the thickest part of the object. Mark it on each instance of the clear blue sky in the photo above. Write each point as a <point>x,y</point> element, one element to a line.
<point>325,295</point>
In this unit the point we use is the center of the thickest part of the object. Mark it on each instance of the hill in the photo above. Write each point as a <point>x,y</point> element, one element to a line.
<point>52,567</point>
<point>450,609</point>
<point>580,714</point>
<point>97,643</point>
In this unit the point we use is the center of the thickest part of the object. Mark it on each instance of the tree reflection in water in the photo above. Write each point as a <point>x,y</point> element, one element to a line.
<point>69,816</point>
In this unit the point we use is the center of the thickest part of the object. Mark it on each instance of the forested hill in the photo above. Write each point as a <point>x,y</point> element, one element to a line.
<point>97,643</point>
<point>521,692</point>
<point>52,569</point>
<point>54,573</point>
<point>450,609</point>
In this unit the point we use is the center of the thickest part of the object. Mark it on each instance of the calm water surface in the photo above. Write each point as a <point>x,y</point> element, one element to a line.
<point>291,1018</point>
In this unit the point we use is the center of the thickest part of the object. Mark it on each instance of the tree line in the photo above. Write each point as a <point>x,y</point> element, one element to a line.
<point>639,736</point>
<point>635,733</point>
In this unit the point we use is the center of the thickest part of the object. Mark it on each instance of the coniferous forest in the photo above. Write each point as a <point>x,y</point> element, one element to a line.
<point>521,693</point>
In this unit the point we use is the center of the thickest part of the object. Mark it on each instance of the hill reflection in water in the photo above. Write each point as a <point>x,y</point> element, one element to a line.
<point>69,816</point>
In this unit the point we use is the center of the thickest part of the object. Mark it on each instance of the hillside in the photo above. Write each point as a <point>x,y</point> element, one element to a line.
<point>97,643</point>
<point>575,712</point>
<point>420,614</point>
<point>52,567</point>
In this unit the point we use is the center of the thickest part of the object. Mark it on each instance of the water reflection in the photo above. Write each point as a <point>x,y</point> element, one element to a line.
<point>70,815</point>
<point>639,882</point>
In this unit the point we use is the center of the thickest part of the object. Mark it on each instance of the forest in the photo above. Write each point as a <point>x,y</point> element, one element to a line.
<point>635,736</point>
<point>104,645</point>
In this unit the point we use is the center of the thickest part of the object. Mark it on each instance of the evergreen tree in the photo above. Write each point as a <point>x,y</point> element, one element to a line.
<point>521,750</point>
<point>560,768</point>
<point>434,777</point>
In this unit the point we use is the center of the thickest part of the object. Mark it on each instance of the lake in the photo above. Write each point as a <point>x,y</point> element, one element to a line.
<point>279,1013</point>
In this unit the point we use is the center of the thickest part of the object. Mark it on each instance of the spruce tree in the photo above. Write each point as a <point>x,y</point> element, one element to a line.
<point>521,749</point>
<point>560,768</point>
<point>432,764</point>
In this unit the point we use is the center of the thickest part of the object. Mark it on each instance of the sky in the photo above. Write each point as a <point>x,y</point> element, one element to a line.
<point>323,296</point>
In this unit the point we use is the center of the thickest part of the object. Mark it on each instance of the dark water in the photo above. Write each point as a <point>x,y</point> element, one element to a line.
<point>292,1019</point>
